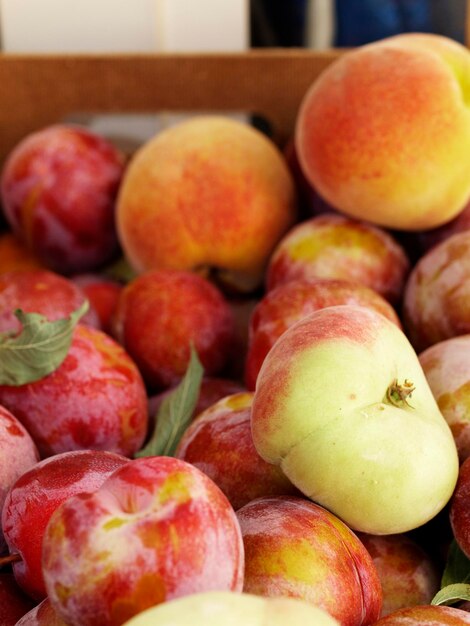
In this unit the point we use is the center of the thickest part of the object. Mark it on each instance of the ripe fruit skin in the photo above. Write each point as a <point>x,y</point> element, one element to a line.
<point>58,190</point>
<point>426,615</point>
<point>281,307</point>
<point>18,454</point>
<point>96,399</point>
<point>36,494</point>
<point>209,193</point>
<point>233,609</point>
<point>384,133</point>
<point>219,443</point>
<point>337,247</point>
<point>43,614</point>
<point>460,509</point>
<point>161,312</point>
<point>298,549</point>
<point>327,409</point>
<point>157,529</point>
<point>13,602</point>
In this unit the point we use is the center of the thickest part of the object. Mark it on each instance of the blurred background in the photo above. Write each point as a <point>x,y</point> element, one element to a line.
<point>217,25</point>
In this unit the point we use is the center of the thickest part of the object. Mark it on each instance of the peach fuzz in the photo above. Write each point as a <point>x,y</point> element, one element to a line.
<point>233,609</point>
<point>384,133</point>
<point>281,307</point>
<point>157,529</point>
<point>211,194</point>
<point>219,443</point>
<point>447,368</point>
<point>436,300</point>
<point>334,246</point>
<point>298,549</point>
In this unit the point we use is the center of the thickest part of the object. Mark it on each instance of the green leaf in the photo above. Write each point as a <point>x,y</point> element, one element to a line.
<point>452,594</point>
<point>175,412</point>
<point>457,569</point>
<point>38,349</point>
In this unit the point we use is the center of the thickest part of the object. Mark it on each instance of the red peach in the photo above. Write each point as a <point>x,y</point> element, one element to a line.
<point>161,312</point>
<point>333,246</point>
<point>281,307</point>
<point>298,549</point>
<point>58,189</point>
<point>220,444</point>
<point>96,399</point>
<point>210,193</point>
<point>36,494</point>
<point>157,529</point>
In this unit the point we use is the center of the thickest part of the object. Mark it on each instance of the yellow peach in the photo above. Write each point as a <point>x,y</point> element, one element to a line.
<point>209,194</point>
<point>384,133</point>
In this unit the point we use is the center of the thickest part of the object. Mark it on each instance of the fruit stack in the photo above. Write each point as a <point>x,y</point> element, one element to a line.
<point>235,376</point>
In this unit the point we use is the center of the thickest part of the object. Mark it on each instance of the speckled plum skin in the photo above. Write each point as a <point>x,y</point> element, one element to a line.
<point>96,399</point>
<point>220,444</point>
<point>14,603</point>
<point>460,509</point>
<point>58,190</point>
<point>298,549</point>
<point>160,312</point>
<point>334,246</point>
<point>157,529</point>
<point>408,575</point>
<point>40,291</point>
<point>286,304</point>
<point>37,494</point>
<point>437,293</point>
<point>43,614</point>
<point>426,615</point>
<point>18,453</point>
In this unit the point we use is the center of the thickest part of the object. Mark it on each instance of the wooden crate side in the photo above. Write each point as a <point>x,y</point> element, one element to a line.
<point>38,90</point>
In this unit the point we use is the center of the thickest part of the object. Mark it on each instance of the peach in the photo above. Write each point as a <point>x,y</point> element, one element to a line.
<point>156,530</point>
<point>384,133</point>
<point>408,575</point>
<point>334,246</point>
<point>219,443</point>
<point>210,194</point>
<point>281,307</point>
<point>96,399</point>
<point>58,189</point>
<point>161,312</point>
<point>436,301</point>
<point>298,549</point>
<point>228,608</point>
<point>446,365</point>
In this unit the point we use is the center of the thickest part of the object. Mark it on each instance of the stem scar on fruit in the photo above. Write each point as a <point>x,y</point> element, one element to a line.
<point>398,394</point>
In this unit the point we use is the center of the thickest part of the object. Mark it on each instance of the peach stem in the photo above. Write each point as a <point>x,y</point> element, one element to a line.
<point>10,558</point>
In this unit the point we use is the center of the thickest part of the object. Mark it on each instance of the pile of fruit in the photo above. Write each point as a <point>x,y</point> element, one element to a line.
<point>235,376</point>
